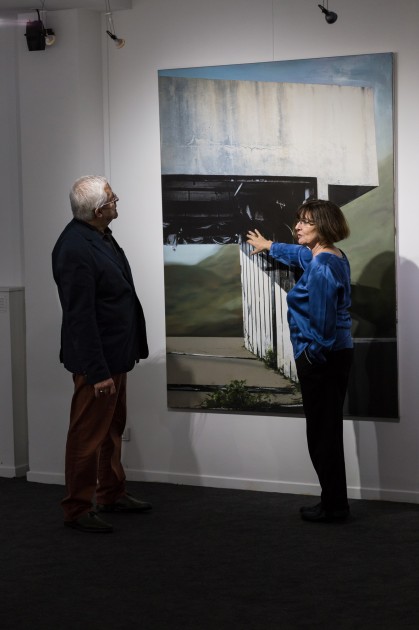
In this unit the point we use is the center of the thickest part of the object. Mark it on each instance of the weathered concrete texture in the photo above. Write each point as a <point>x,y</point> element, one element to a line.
<point>261,128</point>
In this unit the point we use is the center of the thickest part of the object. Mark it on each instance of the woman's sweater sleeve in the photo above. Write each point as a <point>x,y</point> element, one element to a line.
<point>296,255</point>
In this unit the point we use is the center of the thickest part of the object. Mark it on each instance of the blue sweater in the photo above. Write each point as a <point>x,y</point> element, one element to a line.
<point>318,304</point>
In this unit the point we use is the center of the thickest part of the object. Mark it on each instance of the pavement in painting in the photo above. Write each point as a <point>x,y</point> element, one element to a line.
<point>208,361</point>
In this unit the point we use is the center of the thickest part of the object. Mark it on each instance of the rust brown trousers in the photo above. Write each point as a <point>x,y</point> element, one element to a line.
<point>93,449</point>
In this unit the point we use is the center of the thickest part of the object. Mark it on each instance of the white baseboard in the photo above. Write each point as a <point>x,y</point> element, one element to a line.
<point>238,483</point>
<point>214,481</point>
<point>14,471</point>
<point>46,477</point>
<point>263,485</point>
<point>377,494</point>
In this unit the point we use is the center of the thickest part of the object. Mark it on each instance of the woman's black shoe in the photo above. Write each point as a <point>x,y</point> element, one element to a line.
<point>318,514</point>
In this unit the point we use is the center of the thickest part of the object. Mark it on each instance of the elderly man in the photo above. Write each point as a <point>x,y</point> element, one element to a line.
<point>103,335</point>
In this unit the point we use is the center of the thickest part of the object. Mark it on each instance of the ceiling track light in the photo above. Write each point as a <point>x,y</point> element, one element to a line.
<point>329,16</point>
<point>37,35</point>
<point>119,43</point>
<point>49,37</point>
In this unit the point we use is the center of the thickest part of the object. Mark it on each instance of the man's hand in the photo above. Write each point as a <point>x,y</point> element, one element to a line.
<point>105,388</point>
<point>258,242</point>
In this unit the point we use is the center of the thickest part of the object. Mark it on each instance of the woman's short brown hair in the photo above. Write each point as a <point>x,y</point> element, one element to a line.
<point>327,217</point>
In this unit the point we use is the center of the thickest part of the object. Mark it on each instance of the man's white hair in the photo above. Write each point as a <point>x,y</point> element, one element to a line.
<point>87,194</point>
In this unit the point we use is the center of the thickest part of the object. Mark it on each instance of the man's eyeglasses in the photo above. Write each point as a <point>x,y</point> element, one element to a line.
<point>114,199</point>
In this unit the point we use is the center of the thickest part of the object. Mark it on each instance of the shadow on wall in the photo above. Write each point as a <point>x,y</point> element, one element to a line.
<point>386,450</point>
<point>148,416</point>
<point>374,299</point>
<point>373,386</point>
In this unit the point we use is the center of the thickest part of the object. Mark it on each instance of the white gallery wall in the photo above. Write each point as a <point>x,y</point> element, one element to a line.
<point>84,106</point>
<point>11,244</point>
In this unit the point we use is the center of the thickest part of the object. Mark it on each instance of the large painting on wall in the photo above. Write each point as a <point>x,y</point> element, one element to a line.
<point>242,146</point>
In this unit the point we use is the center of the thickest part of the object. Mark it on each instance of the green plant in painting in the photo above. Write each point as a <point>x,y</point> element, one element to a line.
<point>270,360</point>
<point>236,396</point>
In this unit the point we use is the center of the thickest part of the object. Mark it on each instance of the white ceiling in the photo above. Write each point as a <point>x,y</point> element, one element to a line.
<point>55,5</point>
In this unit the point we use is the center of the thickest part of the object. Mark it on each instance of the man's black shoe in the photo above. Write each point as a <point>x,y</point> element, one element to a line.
<point>126,503</point>
<point>91,523</point>
<point>318,514</point>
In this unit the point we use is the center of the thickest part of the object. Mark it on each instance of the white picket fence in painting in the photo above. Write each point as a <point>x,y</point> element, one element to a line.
<point>265,284</point>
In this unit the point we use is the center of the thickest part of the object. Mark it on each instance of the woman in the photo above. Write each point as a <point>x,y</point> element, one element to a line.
<point>320,328</point>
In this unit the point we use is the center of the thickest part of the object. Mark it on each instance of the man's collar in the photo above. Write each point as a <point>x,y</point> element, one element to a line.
<point>92,227</point>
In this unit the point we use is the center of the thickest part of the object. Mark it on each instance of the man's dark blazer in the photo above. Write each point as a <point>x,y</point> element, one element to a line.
<point>103,328</point>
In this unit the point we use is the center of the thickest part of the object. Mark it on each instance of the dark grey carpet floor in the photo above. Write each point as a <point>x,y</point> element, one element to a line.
<point>206,559</point>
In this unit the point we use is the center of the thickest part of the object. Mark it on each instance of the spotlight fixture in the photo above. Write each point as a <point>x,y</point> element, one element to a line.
<point>119,43</point>
<point>37,36</point>
<point>329,16</point>
<point>49,37</point>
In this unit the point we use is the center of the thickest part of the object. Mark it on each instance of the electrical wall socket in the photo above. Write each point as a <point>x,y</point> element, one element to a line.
<point>126,436</point>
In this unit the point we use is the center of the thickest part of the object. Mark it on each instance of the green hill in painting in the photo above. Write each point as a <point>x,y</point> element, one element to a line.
<point>204,300</point>
<point>372,223</point>
<point>371,253</point>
